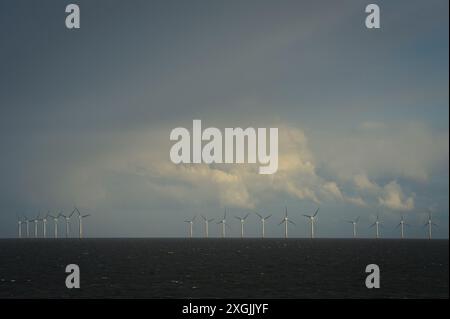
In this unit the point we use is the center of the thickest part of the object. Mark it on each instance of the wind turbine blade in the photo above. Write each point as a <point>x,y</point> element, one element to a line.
<point>291,222</point>
<point>397,226</point>
<point>307,216</point>
<point>245,217</point>
<point>372,225</point>
<point>316,212</point>
<point>72,213</point>
<point>258,215</point>
<point>268,217</point>
<point>87,215</point>
<point>210,220</point>
<point>281,222</point>
<point>204,218</point>
<point>237,217</point>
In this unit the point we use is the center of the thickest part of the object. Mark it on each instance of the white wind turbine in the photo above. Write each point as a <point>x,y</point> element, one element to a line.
<point>36,221</point>
<point>263,222</point>
<point>402,225</point>
<point>191,224</point>
<point>354,223</point>
<point>19,224</point>
<point>430,225</point>
<point>44,222</point>
<point>242,220</point>
<point>286,220</point>
<point>207,221</point>
<point>55,220</point>
<point>377,224</point>
<point>67,219</point>
<point>224,223</point>
<point>27,224</point>
<point>312,218</point>
<point>80,222</point>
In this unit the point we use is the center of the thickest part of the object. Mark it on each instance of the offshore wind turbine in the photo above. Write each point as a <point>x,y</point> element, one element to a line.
<point>224,223</point>
<point>242,220</point>
<point>207,221</point>
<point>67,218</point>
<point>36,221</point>
<point>402,224</point>
<point>27,224</point>
<point>44,222</point>
<point>286,220</point>
<point>19,224</point>
<point>430,225</point>
<point>354,223</point>
<point>55,220</point>
<point>377,224</point>
<point>263,222</point>
<point>80,222</point>
<point>312,219</point>
<point>191,224</point>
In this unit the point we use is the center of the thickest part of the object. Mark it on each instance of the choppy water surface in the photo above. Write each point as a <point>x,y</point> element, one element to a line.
<point>218,268</point>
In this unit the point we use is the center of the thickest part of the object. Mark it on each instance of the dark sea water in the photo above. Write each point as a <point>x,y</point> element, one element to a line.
<point>218,268</point>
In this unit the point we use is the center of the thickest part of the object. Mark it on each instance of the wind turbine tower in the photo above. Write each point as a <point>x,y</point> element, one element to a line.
<point>80,222</point>
<point>377,224</point>
<point>286,220</point>
<point>354,223</point>
<point>191,224</point>
<point>263,221</point>
<point>402,225</point>
<point>312,218</point>
<point>55,220</point>
<point>19,224</point>
<point>207,221</point>
<point>224,223</point>
<point>242,220</point>
<point>430,225</point>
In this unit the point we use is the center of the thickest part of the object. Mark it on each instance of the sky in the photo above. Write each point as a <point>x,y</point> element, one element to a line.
<point>86,114</point>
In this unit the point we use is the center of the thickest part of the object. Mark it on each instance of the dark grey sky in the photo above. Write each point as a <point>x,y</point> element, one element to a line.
<point>85,115</point>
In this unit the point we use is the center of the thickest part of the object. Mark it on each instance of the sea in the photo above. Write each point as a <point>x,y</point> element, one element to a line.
<point>224,268</point>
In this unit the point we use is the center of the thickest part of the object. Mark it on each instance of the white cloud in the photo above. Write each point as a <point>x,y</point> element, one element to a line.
<point>392,197</point>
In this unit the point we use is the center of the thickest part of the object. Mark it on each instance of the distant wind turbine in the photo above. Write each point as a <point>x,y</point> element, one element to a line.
<point>354,222</point>
<point>377,224</point>
<point>19,224</point>
<point>67,219</point>
<point>36,221</point>
<point>27,224</point>
<point>224,223</point>
<point>263,221</point>
<point>286,220</point>
<point>402,225</point>
<point>55,220</point>
<point>191,224</point>
<point>80,222</point>
<point>430,225</point>
<point>242,220</point>
<point>312,219</point>
<point>207,221</point>
<point>44,222</point>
